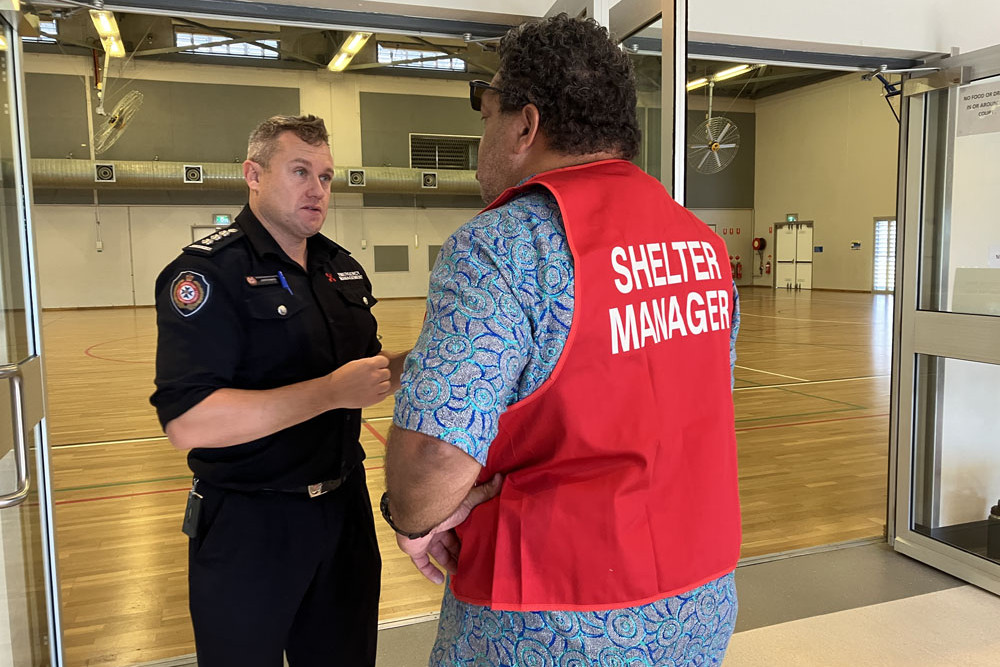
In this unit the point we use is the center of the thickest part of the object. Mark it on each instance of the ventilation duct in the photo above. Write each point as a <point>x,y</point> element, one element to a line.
<point>56,174</point>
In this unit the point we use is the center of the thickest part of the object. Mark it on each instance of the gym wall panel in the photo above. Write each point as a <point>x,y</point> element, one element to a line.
<point>388,119</point>
<point>414,228</point>
<point>828,152</point>
<point>735,226</point>
<point>72,273</point>
<point>159,233</point>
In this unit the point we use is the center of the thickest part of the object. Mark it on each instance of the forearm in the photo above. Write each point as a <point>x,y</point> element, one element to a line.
<point>233,416</point>
<point>427,479</point>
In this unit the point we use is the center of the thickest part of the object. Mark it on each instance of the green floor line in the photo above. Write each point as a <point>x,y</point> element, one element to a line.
<point>109,484</point>
<point>820,398</point>
<point>801,414</point>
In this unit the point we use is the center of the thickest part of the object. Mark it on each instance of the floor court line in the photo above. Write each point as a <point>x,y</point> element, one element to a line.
<point>126,495</point>
<point>816,421</point>
<point>802,319</point>
<point>372,430</point>
<point>149,493</point>
<point>110,484</point>
<point>810,382</point>
<point>110,442</point>
<point>797,414</point>
<point>790,377</point>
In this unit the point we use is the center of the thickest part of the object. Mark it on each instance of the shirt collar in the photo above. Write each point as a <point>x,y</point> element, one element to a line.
<point>318,247</point>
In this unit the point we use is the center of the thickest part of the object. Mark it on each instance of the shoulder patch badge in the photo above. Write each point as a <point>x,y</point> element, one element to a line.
<point>189,292</point>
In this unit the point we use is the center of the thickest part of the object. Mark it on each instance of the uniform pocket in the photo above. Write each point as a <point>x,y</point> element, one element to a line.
<point>274,305</point>
<point>357,296</point>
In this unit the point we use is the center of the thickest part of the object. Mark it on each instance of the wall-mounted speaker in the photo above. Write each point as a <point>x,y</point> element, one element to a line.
<point>429,179</point>
<point>104,173</point>
<point>356,178</point>
<point>193,173</point>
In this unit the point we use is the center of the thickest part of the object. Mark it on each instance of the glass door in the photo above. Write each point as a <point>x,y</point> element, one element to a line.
<point>946,414</point>
<point>27,609</point>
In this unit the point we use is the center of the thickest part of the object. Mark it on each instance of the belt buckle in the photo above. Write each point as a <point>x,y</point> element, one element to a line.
<point>316,490</point>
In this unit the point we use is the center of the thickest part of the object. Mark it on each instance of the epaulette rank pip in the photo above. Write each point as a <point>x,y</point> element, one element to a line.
<point>212,243</point>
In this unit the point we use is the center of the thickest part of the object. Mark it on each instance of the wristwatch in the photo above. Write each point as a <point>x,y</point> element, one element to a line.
<point>383,505</point>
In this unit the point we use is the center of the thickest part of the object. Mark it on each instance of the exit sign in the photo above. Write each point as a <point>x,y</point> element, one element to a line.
<point>791,217</point>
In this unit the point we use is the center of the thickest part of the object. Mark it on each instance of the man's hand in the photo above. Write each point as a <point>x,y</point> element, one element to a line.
<point>442,542</point>
<point>360,383</point>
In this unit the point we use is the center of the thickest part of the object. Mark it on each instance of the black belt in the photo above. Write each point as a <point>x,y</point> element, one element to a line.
<point>314,490</point>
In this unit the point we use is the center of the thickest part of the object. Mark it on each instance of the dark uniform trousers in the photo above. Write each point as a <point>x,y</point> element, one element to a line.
<point>275,571</point>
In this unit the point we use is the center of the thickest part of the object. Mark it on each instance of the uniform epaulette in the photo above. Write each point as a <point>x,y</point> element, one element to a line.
<point>214,242</point>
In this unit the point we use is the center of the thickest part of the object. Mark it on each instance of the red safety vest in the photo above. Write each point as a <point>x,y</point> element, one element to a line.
<point>620,470</point>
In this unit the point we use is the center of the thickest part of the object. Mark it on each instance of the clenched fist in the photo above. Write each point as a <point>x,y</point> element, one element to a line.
<point>360,383</point>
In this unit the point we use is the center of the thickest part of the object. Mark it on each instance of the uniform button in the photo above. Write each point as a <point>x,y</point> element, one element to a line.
<point>282,311</point>
<point>365,299</point>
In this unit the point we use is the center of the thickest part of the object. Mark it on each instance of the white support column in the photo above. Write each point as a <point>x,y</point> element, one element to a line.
<point>599,10</point>
<point>673,127</point>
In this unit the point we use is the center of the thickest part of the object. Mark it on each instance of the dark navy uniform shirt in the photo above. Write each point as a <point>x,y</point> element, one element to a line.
<point>226,319</point>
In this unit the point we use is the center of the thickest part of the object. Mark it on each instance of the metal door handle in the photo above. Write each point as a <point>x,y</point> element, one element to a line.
<point>13,373</point>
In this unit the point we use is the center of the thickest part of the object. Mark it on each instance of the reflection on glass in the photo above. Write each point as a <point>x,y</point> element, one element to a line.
<point>13,328</point>
<point>645,50</point>
<point>957,464</point>
<point>960,271</point>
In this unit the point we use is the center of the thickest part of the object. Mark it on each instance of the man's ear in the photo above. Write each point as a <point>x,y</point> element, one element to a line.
<point>251,174</point>
<point>529,122</point>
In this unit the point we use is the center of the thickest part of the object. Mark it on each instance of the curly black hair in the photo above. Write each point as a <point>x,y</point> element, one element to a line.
<point>581,82</point>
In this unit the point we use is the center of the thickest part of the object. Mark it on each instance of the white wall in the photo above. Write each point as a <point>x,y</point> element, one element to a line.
<point>828,152</point>
<point>735,226</point>
<point>890,27</point>
<point>140,240</point>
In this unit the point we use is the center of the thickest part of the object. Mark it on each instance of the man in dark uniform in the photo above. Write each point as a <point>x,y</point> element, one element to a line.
<point>267,351</point>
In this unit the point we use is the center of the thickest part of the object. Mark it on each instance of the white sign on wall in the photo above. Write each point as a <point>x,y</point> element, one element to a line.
<point>979,109</point>
<point>993,261</point>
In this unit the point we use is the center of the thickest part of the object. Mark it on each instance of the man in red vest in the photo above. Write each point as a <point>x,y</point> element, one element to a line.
<point>563,442</point>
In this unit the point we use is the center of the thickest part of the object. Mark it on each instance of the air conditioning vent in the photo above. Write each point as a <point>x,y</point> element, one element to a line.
<point>442,151</point>
<point>104,173</point>
<point>193,173</point>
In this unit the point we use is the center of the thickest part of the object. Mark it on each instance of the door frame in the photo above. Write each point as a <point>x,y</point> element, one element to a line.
<point>945,335</point>
<point>33,378</point>
<point>795,262</point>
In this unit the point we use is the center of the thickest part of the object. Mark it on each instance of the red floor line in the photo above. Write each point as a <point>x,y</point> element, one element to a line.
<point>126,495</point>
<point>143,493</point>
<point>817,421</point>
<point>374,432</point>
<point>90,354</point>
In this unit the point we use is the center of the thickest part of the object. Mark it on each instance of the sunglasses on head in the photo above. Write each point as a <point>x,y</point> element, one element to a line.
<point>476,90</point>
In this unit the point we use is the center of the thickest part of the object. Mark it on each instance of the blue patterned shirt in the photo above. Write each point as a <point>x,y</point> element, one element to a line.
<point>499,309</point>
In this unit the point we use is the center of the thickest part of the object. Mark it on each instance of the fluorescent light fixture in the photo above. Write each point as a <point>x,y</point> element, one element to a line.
<point>731,72</point>
<point>107,28</point>
<point>114,47</point>
<point>348,50</point>
<point>105,23</point>
<point>697,83</point>
<point>356,41</point>
<point>339,63</point>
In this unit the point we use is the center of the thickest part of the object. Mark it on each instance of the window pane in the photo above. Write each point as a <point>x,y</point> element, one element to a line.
<point>957,463</point>
<point>960,270</point>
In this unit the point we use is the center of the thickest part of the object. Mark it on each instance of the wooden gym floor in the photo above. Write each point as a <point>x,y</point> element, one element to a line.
<point>812,387</point>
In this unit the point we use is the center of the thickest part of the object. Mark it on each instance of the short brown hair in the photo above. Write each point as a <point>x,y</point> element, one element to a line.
<point>263,140</point>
